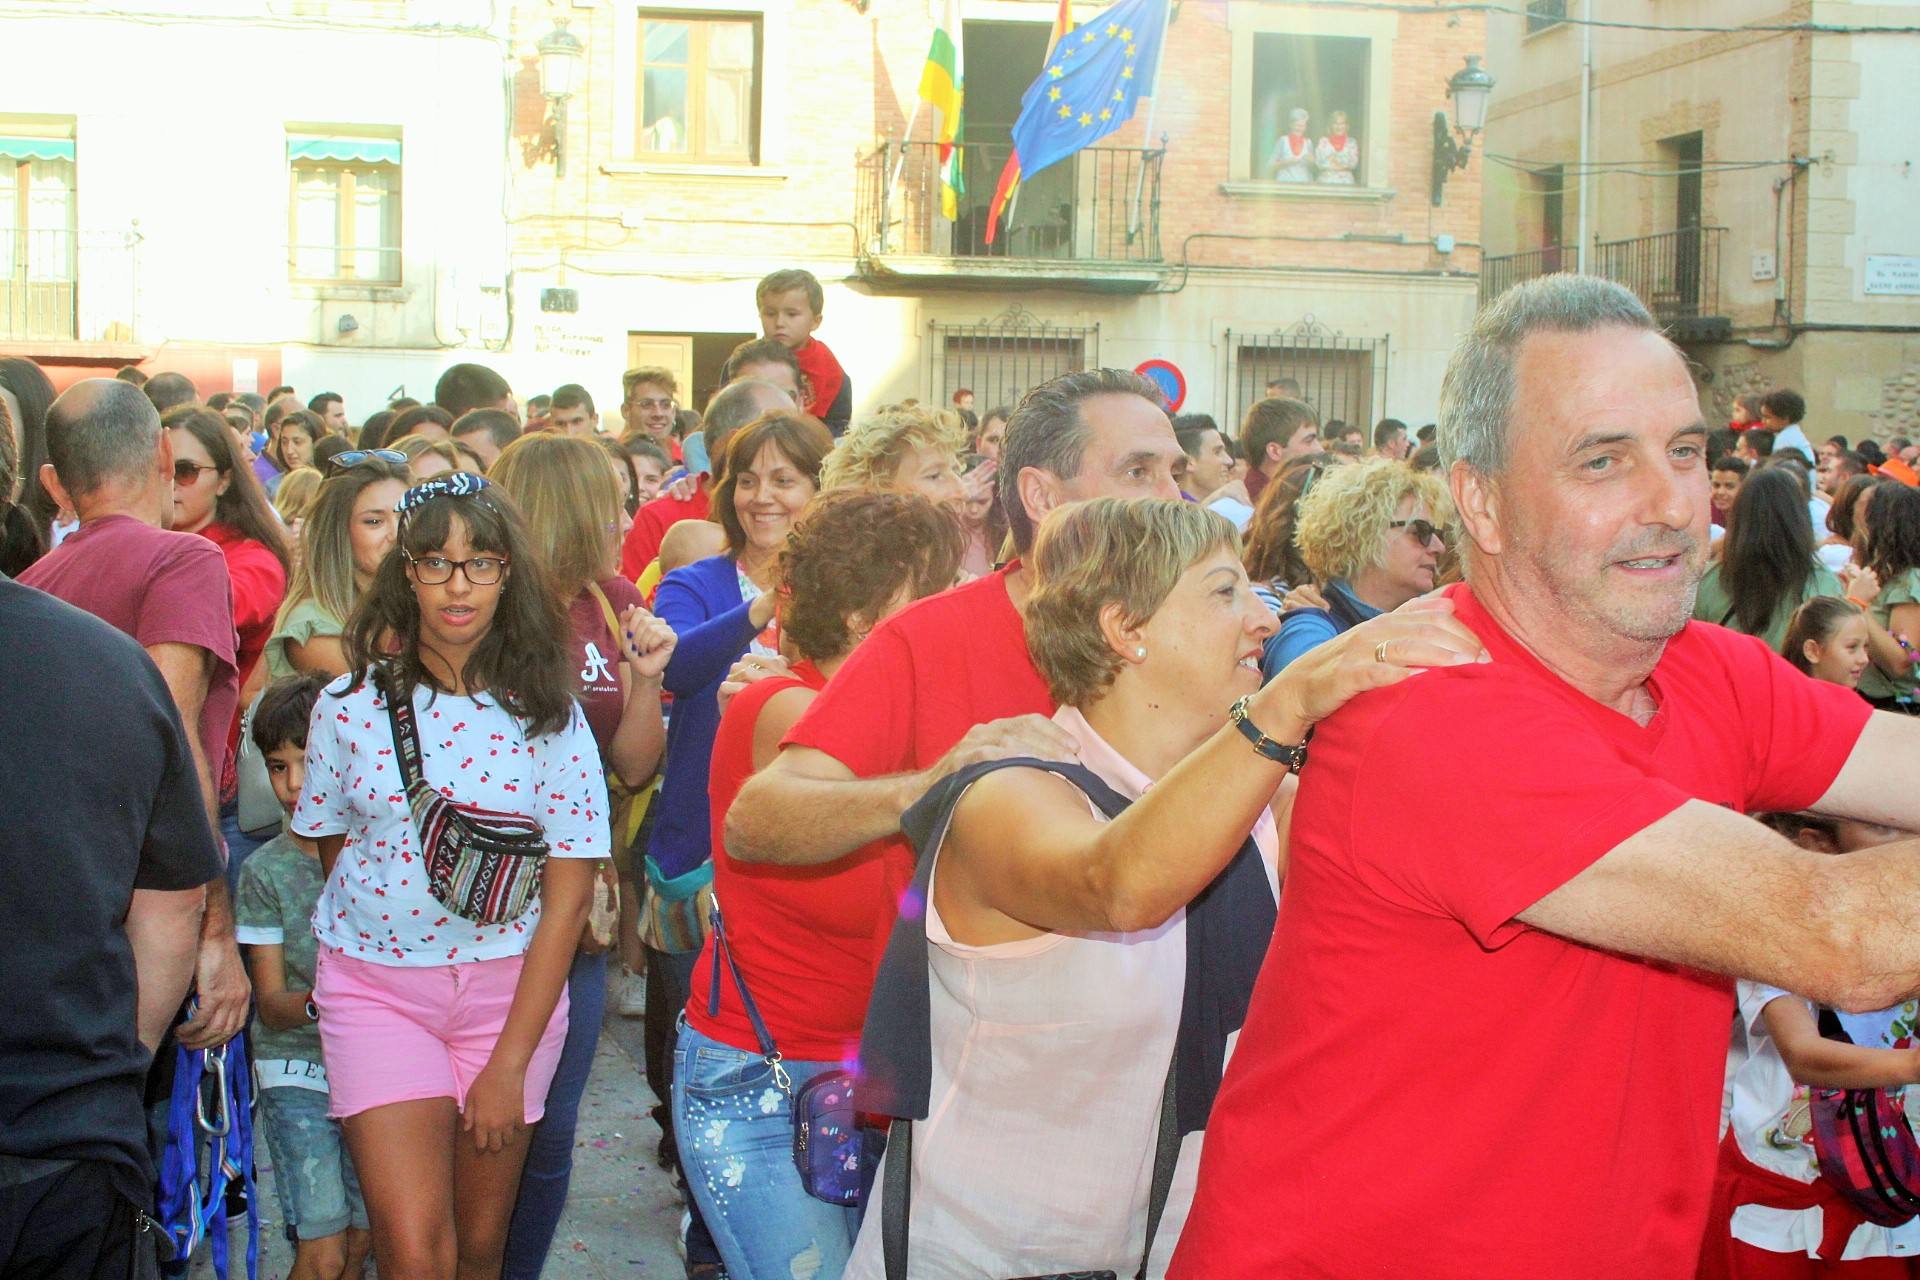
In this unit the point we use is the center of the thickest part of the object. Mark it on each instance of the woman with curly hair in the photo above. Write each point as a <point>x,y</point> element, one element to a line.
<point>440,987</point>
<point>1886,584</point>
<point>1372,534</point>
<point>806,943</point>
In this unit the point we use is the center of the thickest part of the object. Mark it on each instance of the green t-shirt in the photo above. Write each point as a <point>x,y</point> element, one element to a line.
<point>1713,604</point>
<point>279,886</point>
<point>1904,589</point>
<point>306,621</point>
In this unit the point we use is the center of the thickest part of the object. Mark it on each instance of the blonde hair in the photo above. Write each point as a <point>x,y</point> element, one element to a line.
<point>296,494</point>
<point>1344,519</point>
<point>323,566</point>
<point>868,455</point>
<point>1122,552</point>
<point>564,486</point>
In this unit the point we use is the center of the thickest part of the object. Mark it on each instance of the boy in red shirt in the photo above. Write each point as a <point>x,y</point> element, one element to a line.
<point>789,303</point>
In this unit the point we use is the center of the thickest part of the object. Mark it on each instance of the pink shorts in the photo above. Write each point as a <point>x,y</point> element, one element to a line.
<point>393,1034</point>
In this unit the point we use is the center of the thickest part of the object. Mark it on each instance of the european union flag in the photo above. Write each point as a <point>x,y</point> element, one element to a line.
<point>1096,77</point>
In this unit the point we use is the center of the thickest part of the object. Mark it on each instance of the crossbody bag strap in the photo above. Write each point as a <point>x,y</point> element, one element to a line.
<point>1166,1154</point>
<point>406,738</point>
<point>721,949</point>
<point>896,1199</point>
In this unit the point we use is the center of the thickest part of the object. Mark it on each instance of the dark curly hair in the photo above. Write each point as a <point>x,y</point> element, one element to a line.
<point>1893,532</point>
<point>851,557</point>
<point>522,661</point>
<point>1271,554</point>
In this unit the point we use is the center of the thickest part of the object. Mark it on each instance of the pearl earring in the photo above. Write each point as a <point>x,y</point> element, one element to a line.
<point>1140,653</point>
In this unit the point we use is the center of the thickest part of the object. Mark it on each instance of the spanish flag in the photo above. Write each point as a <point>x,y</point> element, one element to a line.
<point>943,85</point>
<point>1009,186</point>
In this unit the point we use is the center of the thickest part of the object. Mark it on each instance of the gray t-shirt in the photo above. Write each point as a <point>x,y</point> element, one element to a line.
<point>278,886</point>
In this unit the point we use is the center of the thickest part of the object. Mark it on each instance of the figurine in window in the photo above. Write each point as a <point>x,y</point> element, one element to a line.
<point>1292,159</point>
<point>1338,154</point>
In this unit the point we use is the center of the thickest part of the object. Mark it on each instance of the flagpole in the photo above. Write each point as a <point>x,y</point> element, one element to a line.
<point>1159,65</point>
<point>886,199</point>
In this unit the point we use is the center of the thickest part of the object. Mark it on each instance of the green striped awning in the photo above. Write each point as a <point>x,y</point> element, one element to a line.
<point>36,148</point>
<point>356,150</point>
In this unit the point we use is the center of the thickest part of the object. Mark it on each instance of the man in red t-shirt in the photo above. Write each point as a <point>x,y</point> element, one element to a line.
<point>113,464</point>
<point>948,681</point>
<point>731,408</point>
<point>1488,1039</point>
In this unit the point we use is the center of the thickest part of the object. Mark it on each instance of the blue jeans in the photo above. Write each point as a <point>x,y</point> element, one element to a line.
<point>549,1167</point>
<point>735,1126</point>
<point>312,1173</point>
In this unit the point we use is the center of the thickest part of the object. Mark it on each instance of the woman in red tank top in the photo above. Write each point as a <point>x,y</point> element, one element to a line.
<point>807,940</point>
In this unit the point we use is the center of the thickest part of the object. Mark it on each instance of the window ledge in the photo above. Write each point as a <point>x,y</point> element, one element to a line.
<point>744,173</point>
<point>350,291</point>
<point>1250,190</point>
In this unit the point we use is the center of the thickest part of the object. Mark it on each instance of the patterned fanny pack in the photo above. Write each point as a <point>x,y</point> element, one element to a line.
<point>482,865</point>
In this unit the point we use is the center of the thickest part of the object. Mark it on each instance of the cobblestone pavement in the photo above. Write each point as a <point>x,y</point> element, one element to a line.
<point>623,1214</point>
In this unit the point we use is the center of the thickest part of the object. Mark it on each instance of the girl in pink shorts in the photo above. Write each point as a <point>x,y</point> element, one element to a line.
<point>441,982</point>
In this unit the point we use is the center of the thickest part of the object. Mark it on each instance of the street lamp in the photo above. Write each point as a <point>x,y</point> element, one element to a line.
<point>560,56</point>
<point>1469,88</point>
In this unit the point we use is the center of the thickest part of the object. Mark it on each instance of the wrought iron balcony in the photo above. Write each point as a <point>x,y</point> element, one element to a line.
<point>1676,273</point>
<point>61,285</point>
<point>1092,219</point>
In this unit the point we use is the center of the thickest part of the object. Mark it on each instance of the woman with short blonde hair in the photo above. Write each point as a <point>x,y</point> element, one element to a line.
<point>1373,535</point>
<point>1060,943</point>
<point>902,450</point>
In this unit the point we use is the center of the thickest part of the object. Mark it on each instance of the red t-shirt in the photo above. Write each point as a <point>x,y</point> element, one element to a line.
<point>824,375</point>
<point>596,656</point>
<point>923,678</point>
<point>650,525</point>
<point>259,583</point>
<point>1427,1087</point>
<point>159,587</point>
<point>807,939</point>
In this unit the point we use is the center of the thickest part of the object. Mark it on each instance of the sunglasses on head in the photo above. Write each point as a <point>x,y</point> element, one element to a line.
<point>1423,531</point>
<point>354,457</point>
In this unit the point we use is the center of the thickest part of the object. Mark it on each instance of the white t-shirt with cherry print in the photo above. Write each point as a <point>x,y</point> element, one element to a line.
<point>376,906</point>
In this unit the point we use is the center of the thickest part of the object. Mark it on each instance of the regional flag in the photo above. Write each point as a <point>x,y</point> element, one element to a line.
<point>943,87</point>
<point>1092,83</point>
<point>1009,186</point>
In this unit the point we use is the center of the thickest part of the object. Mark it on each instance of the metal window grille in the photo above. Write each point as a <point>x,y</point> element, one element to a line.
<point>1001,359</point>
<point>1542,14</point>
<point>1341,377</point>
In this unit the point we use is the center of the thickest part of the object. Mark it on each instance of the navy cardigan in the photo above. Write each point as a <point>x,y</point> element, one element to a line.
<point>702,603</point>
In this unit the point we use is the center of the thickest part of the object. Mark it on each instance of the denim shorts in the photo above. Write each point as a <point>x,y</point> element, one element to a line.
<point>312,1173</point>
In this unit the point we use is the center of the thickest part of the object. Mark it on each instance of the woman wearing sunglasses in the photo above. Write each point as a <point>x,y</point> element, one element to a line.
<point>348,531</point>
<point>1372,535</point>
<point>216,495</point>
<point>455,791</point>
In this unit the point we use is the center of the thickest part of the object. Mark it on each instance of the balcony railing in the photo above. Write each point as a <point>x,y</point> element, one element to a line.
<point>1676,273</point>
<point>61,285</point>
<point>1499,274</point>
<point>1101,205</point>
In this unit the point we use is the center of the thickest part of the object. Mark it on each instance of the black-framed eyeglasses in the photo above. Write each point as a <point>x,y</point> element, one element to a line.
<point>185,472</point>
<point>354,457</point>
<point>481,571</point>
<point>1423,531</point>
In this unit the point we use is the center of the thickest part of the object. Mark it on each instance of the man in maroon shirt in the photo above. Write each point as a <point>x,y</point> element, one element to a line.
<point>1488,1040</point>
<point>113,464</point>
<point>948,681</point>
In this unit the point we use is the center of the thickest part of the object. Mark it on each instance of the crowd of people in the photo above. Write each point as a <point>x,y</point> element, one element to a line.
<point>1061,839</point>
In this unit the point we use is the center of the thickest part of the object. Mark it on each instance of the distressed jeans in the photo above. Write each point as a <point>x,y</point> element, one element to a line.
<point>735,1126</point>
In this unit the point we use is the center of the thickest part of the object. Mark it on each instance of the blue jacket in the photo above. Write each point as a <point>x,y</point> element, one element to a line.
<point>702,603</point>
<point>1304,629</point>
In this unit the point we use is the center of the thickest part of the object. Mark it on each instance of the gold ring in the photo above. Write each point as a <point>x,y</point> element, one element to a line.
<point>1380,651</point>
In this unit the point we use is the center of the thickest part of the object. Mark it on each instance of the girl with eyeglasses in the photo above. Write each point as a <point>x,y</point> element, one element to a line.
<point>348,531</point>
<point>1373,535</point>
<point>440,986</point>
<point>216,495</point>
